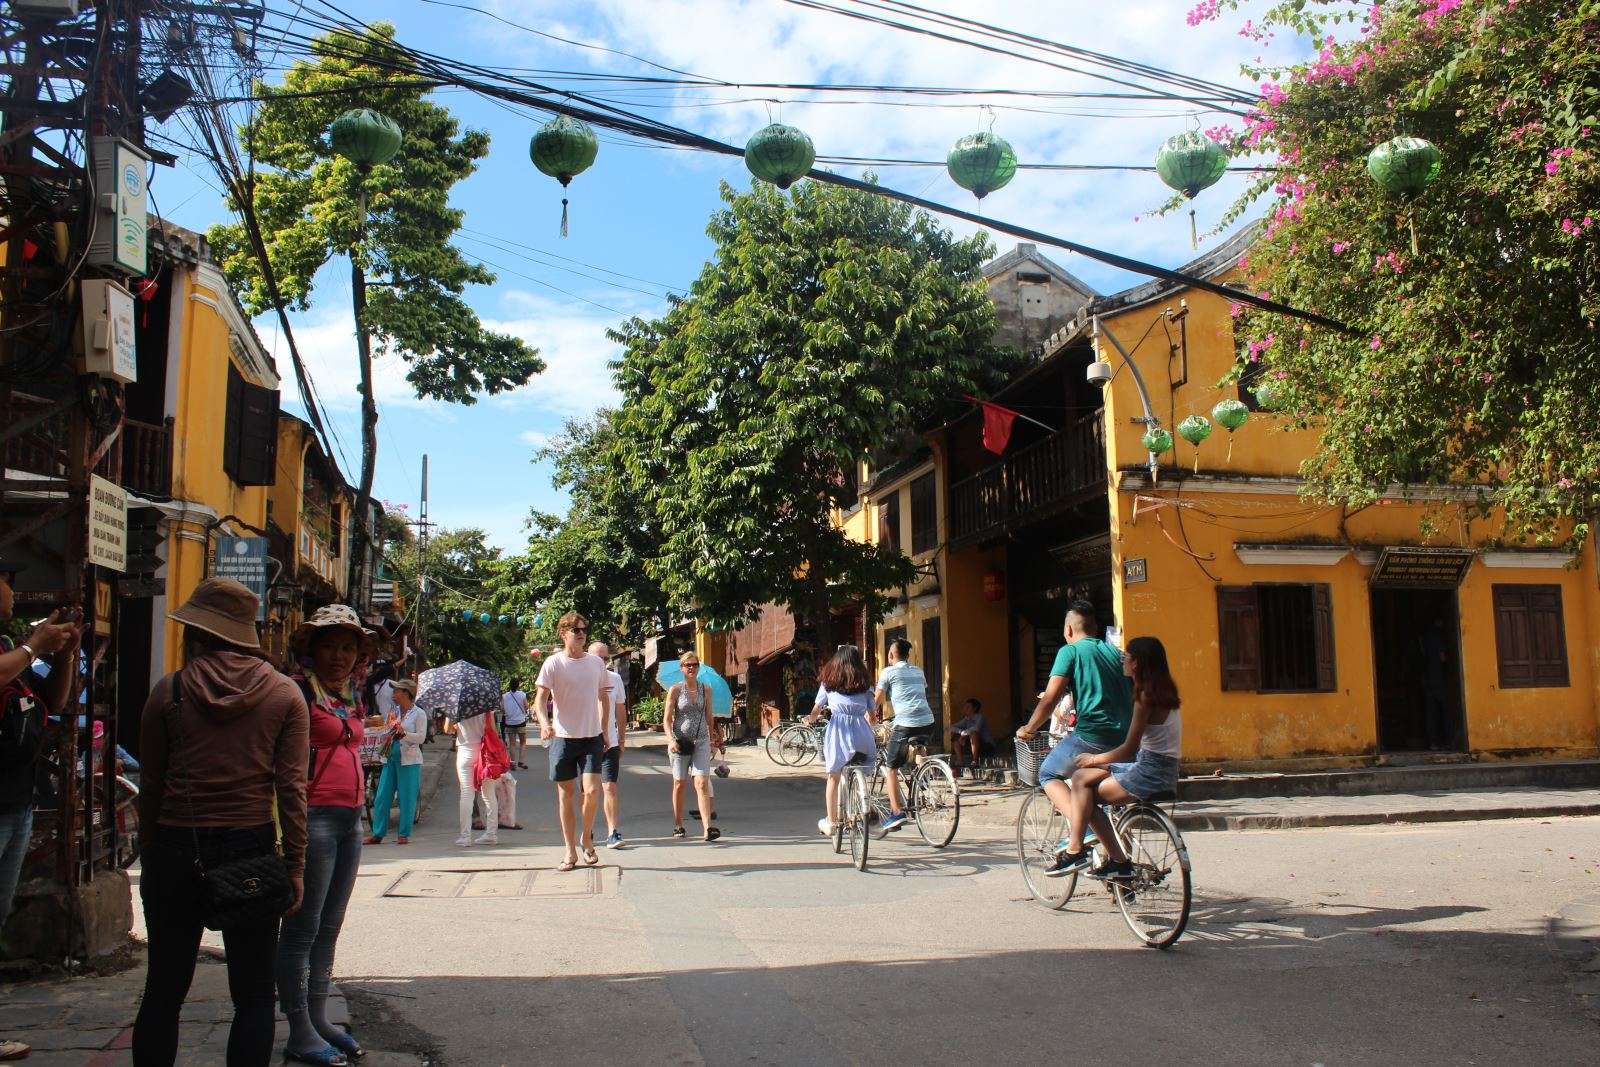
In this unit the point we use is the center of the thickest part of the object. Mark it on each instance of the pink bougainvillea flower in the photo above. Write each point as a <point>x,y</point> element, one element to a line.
<point>1377,342</point>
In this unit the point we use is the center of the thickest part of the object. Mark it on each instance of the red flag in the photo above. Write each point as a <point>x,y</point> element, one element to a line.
<point>996,425</point>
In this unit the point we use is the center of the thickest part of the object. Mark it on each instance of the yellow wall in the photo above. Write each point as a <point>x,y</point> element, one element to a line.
<point>1186,537</point>
<point>203,354</point>
<point>977,653</point>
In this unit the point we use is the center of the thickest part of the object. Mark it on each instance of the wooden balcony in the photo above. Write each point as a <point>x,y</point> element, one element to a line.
<point>146,458</point>
<point>140,460</point>
<point>1032,483</point>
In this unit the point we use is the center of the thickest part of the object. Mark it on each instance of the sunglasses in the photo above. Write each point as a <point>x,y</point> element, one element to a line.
<point>579,630</point>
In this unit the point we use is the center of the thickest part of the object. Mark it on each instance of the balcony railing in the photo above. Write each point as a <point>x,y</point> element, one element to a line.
<point>140,460</point>
<point>1024,486</point>
<point>147,457</point>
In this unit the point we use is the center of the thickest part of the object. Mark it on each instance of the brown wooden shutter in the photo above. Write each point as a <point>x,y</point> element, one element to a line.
<point>1239,637</point>
<point>258,435</point>
<point>1322,622</point>
<point>1512,636</point>
<point>233,418</point>
<point>1547,636</point>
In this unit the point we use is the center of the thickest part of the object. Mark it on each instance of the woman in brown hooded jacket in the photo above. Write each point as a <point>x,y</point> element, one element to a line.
<point>213,762</point>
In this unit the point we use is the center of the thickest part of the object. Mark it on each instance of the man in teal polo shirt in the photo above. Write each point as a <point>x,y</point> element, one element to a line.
<point>1092,671</point>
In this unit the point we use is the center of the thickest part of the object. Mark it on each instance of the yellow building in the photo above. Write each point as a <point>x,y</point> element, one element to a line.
<point>1298,631</point>
<point>308,516</point>
<point>198,455</point>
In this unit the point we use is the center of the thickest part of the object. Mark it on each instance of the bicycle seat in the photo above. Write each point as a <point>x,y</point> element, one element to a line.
<point>1163,797</point>
<point>858,760</point>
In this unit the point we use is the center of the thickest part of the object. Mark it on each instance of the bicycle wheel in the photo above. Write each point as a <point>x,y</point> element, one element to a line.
<point>856,794</point>
<point>936,802</point>
<point>795,746</point>
<point>1155,901</point>
<point>774,745</point>
<point>1039,829</point>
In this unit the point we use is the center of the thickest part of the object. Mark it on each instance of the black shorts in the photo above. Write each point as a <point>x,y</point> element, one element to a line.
<point>901,738</point>
<point>611,763</point>
<point>572,756</point>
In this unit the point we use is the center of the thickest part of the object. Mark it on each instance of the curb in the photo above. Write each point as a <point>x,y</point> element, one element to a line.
<point>1201,821</point>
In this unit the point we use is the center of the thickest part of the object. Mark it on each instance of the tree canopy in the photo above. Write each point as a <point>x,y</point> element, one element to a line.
<point>827,321</point>
<point>308,202</point>
<point>1474,355</point>
<point>460,563</point>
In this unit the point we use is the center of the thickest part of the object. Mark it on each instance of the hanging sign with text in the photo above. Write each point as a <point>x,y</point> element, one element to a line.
<point>108,524</point>
<point>1427,567</point>
<point>244,559</point>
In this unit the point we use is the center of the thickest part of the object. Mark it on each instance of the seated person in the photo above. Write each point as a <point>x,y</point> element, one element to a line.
<point>971,733</point>
<point>1108,777</point>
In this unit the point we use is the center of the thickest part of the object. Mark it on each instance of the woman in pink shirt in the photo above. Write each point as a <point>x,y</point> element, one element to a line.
<point>330,646</point>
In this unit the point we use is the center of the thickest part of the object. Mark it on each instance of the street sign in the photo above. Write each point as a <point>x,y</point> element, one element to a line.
<point>1437,568</point>
<point>244,559</point>
<point>108,524</point>
<point>1134,571</point>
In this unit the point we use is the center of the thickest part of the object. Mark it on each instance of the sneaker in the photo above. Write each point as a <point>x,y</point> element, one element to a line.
<point>614,839</point>
<point>825,824</point>
<point>1067,862</point>
<point>1111,869</point>
<point>895,820</point>
<point>465,840</point>
<point>1090,839</point>
<point>487,839</point>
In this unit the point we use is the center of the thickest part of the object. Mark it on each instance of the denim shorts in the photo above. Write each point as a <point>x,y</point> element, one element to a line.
<point>1149,774</point>
<point>611,764</point>
<point>693,757</point>
<point>572,756</point>
<point>901,738</point>
<point>1063,759</point>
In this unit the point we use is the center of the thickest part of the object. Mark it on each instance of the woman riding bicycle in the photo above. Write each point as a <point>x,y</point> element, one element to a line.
<point>1154,734</point>
<point>846,691</point>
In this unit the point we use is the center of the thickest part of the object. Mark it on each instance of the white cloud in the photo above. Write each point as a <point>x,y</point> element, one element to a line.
<point>769,41</point>
<point>535,438</point>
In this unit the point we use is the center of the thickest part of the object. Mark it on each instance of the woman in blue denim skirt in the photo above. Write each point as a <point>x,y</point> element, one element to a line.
<point>331,645</point>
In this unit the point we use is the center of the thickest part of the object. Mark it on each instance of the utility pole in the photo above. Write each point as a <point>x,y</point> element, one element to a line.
<point>423,526</point>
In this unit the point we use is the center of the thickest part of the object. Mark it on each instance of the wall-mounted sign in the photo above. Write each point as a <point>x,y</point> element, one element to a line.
<point>108,342</point>
<point>1437,568</point>
<point>244,559</point>
<point>108,524</point>
<point>1134,571</point>
<point>102,608</point>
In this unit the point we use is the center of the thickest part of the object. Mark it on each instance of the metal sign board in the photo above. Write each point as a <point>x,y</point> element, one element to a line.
<point>1437,568</point>
<point>1134,571</point>
<point>244,559</point>
<point>108,524</point>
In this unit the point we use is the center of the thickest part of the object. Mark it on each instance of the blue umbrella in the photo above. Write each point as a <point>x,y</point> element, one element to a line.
<point>721,696</point>
<point>461,690</point>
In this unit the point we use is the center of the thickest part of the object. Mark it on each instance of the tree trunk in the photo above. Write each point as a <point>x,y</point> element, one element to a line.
<point>361,565</point>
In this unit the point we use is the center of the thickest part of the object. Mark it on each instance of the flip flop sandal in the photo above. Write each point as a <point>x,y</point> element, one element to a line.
<point>567,865</point>
<point>678,831</point>
<point>712,834</point>
<point>591,857</point>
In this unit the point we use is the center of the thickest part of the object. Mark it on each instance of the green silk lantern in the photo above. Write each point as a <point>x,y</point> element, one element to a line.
<point>504,620</point>
<point>1404,166</point>
<point>1230,415</point>
<point>522,620</point>
<point>466,615</point>
<point>1194,429</point>
<point>779,154</point>
<point>1269,394</point>
<point>981,163</point>
<point>1156,440</point>
<point>1191,162</point>
<point>563,148</point>
<point>483,616</point>
<point>365,137</point>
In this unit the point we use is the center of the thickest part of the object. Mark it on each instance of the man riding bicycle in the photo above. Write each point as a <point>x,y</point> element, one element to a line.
<point>902,691</point>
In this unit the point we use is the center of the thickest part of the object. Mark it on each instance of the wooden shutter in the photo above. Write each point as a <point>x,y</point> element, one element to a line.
<point>933,666</point>
<point>1239,637</point>
<point>924,514</point>
<point>889,517</point>
<point>233,417</point>
<point>258,436</point>
<point>1322,625</point>
<point>1530,637</point>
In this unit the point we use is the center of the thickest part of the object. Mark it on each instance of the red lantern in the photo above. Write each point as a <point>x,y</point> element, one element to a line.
<point>994,585</point>
<point>145,289</point>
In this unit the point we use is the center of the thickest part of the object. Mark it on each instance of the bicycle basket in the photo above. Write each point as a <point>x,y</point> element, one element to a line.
<point>1030,756</point>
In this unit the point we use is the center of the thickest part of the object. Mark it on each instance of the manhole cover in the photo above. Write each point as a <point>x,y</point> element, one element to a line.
<point>498,882</point>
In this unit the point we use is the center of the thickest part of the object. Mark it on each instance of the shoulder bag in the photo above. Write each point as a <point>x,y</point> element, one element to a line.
<point>234,892</point>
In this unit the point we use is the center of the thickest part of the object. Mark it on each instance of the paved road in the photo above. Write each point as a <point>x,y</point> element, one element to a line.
<point>1419,945</point>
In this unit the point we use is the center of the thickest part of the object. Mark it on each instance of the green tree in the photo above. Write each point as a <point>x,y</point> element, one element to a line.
<point>827,322</point>
<point>596,559</point>
<point>459,564</point>
<point>1474,358</point>
<point>308,203</point>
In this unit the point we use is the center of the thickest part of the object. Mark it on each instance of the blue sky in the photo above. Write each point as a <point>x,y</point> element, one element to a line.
<point>638,216</point>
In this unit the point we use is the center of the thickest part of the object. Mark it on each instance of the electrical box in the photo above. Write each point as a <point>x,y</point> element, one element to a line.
<point>121,224</point>
<point>108,340</point>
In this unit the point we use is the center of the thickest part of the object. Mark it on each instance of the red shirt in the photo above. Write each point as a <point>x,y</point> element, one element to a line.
<point>337,780</point>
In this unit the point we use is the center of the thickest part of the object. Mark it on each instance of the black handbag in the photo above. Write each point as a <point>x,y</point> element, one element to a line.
<point>236,891</point>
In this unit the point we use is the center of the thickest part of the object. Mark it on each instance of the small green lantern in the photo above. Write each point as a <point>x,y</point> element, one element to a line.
<point>1269,394</point>
<point>563,148</point>
<point>466,615</point>
<point>1156,440</point>
<point>779,154</point>
<point>483,617</point>
<point>1191,162</point>
<point>1404,166</point>
<point>1194,429</point>
<point>981,163</point>
<point>1230,415</point>
<point>504,620</point>
<point>522,620</point>
<point>365,137</point>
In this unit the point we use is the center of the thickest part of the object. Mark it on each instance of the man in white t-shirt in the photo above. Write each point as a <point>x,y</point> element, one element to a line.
<point>616,735</point>
<point>514,712</point>
<point>579,686</point>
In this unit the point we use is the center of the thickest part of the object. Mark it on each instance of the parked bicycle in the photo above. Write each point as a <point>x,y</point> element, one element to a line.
<point>797,744</point>
<point>932,798</point>
<point>1154,902</point>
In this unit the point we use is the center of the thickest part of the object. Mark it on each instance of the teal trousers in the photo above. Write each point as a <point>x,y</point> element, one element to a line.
<point>396,776</point>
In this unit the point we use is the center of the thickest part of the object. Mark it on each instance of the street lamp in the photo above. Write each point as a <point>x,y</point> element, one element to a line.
<point>1099,374</point>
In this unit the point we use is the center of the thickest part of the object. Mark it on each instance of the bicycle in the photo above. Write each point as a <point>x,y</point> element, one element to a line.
<point>1154,902</point>
<point>800,744</point>
<point>854,812</point>
<point>932,798</point>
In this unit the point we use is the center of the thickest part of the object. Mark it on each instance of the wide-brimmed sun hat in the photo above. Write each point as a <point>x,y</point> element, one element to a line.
<point>332,617</point>
<point>222,608</point>
<point>405,685</point>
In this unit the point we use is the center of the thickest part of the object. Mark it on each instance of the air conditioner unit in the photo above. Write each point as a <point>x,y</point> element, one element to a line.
<point>57,9</point>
